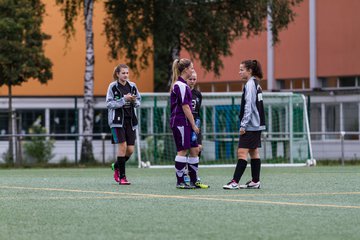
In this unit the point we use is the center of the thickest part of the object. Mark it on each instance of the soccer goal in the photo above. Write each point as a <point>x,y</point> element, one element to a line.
<point>286,139</point>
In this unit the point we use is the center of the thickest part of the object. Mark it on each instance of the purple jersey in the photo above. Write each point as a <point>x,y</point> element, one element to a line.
<point>180,95</point>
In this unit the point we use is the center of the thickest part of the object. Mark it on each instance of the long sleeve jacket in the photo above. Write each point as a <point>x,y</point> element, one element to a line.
<point>115,103</point>
<point>252,115</point>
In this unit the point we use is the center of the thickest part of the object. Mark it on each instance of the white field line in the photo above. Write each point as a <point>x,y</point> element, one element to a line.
<point>190,197</point>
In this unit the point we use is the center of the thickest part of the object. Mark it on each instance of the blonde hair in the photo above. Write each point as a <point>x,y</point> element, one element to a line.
<point>194,74</point>
<point>117,70</point>
<point>178,66</point>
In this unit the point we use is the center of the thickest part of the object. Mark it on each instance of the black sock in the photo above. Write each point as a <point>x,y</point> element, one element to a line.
<point>127,158</point>
<point>199,154</point>
<point>121,163</point>
<point>239,170</point>
<point>255,169</point>
<point>180,170</point>
<point>193,171</point>
<point>116,165</point>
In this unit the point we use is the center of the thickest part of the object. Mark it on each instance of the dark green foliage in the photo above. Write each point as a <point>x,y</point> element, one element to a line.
<point>21,42</point>
<point>206,29</point>
<point>21,47</point>
<point>69,10</point>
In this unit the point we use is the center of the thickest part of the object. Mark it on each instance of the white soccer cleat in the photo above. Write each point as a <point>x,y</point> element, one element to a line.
<point>232,185</point>
<point>251,185</point>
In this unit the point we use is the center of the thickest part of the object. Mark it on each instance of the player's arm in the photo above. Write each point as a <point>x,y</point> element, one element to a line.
<point>190,117</point>
<point>111,102</point>
<point>136,97</point>
<point>249,96</point>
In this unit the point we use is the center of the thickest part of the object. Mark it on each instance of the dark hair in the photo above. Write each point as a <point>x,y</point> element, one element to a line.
<point>117,70</point>
<point>255,67</point>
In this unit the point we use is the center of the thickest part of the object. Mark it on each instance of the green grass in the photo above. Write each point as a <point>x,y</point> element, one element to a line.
<point>294,203</point>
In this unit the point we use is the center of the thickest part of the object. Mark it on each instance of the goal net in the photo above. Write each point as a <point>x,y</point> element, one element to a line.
<point>285,140</point>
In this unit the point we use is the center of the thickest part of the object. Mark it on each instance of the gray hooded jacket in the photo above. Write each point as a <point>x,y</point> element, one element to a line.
<point>252,115</point>
<point>115,103</point>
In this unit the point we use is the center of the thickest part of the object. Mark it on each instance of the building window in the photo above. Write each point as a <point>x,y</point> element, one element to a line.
<point>347,81</point>
<point>221,87</point>
<point>351,119</point>
<point>4,123</point>
<point>205,87</point>
<point>332,120</point>
<point>101,122</point>
<point>238,86</point>
<point>315,120</point>
<point>281,84</point>
<point>298,84</point>
<point>329,82</point>
<point>63,121</point>
<point>28,118</point>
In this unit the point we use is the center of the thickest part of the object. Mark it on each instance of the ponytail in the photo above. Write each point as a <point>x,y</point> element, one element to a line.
<point>178,66</point>
<point>175,73</point>
<point>255,67</point>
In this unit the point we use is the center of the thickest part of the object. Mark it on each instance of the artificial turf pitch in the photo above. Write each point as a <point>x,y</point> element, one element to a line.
<point>85,203</point>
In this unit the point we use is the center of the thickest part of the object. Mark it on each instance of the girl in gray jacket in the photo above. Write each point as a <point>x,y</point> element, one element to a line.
<point>121,100</point>
<point>252,122</point>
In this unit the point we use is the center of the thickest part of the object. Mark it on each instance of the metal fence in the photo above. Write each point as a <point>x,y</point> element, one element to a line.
<point>337,146</point>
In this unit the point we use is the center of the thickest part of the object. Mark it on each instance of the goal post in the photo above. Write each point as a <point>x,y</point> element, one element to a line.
<point>285,140</point>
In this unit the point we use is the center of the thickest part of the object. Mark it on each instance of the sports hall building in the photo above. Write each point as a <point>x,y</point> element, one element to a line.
<point>318,55</point>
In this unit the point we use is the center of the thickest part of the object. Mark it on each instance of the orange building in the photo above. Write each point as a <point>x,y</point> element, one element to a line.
<point>336,47</point>
<point>334,42</point>
<point>69,61</point>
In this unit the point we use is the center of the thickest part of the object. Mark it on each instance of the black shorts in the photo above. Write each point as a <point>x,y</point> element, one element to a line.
<point>199,139</point>
<point>123,134</point>
<point>250,140</point>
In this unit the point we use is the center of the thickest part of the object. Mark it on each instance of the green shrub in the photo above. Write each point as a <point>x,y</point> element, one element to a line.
<point>38,149</point>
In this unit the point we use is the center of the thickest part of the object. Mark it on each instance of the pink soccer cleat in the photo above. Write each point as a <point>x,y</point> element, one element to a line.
<point>124,181</point>
<point>117,175</point>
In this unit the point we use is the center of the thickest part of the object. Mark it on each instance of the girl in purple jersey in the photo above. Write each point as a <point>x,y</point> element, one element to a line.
<point>182,120</point>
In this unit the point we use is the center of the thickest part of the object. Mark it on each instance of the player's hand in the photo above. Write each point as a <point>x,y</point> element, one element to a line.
<point>242,131</point>
<point>133,98</point>
<point>130,98</point>
<point>196,129</point>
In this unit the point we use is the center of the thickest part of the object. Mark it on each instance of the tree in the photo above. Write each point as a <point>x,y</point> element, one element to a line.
<point>21,47</point>
<point>70,10</point>
<point>206,29</point>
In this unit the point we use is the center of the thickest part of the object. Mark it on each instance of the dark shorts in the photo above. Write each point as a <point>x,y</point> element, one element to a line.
<point>182,135</point>
<point>250,140</point>
<point>123,134</point>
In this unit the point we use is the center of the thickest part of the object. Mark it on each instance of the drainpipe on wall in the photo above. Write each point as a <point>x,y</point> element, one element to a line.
<point>314,83</point>
<point>270,51</point>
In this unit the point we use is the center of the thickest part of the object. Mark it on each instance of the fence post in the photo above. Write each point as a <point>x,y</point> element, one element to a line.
<point>76,129</point>
<point>291,129</point>
<point>264,140</point>
<point>342,137</point>
<point>155,129</point>
<point>103,136</point>
<point>19,150</point>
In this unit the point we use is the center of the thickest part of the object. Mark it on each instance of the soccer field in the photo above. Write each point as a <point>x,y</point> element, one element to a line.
<point>294,203</point>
